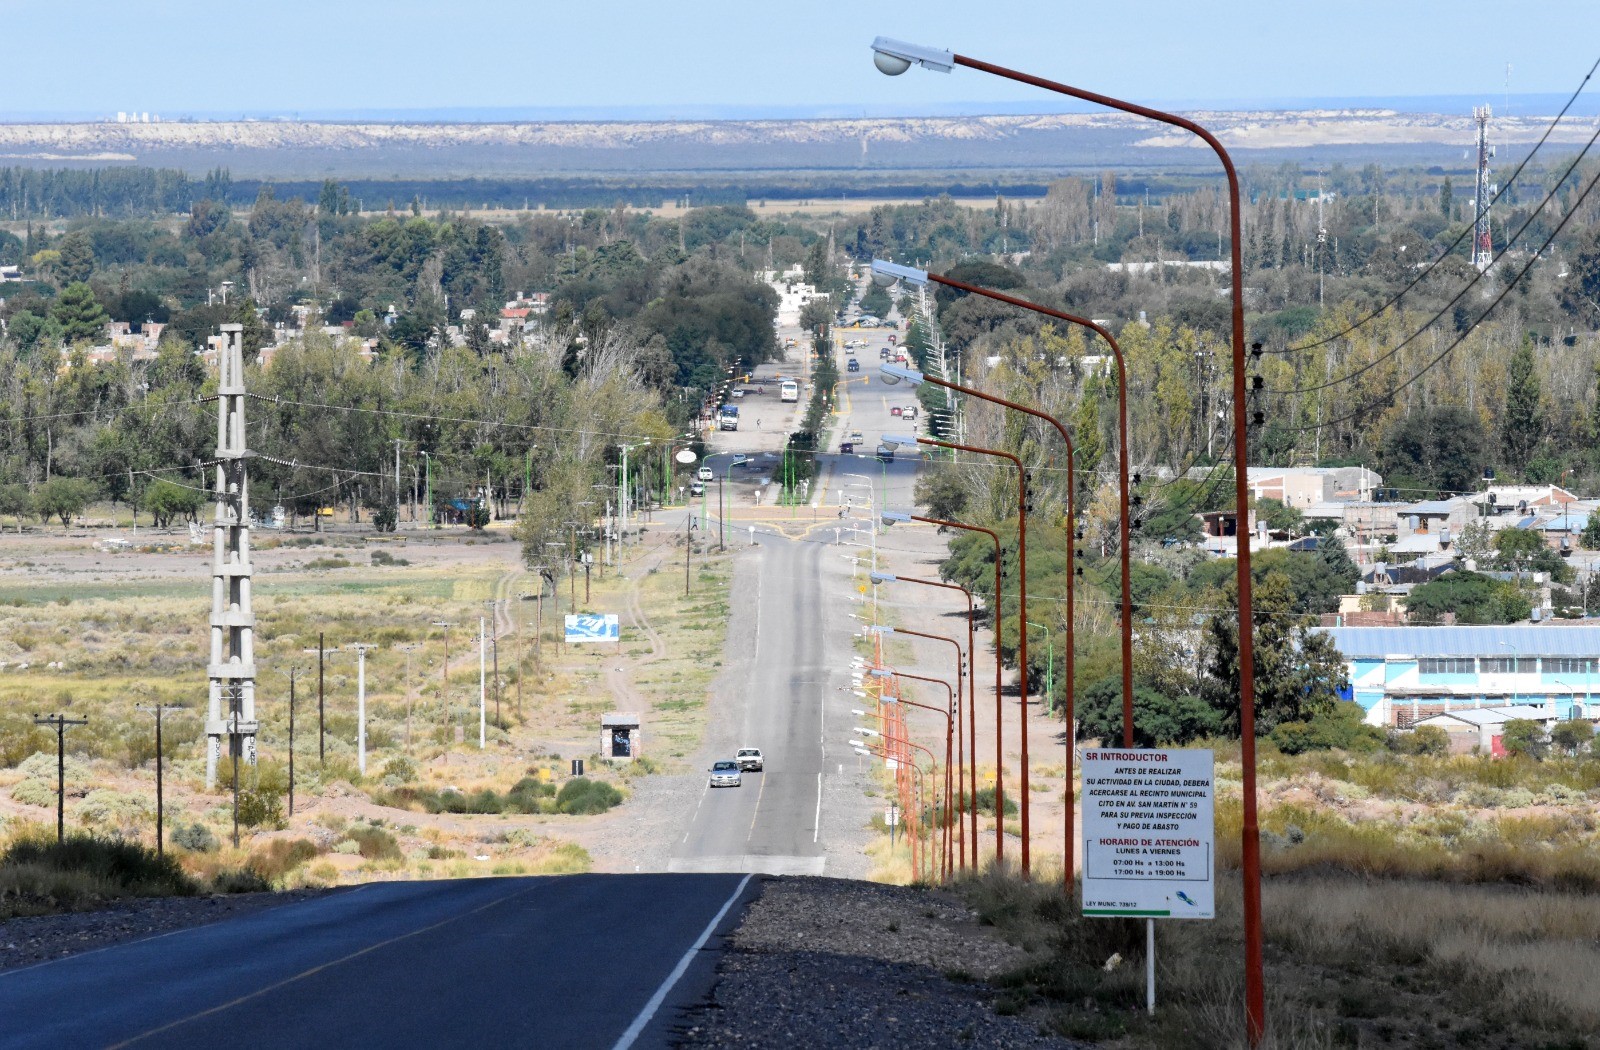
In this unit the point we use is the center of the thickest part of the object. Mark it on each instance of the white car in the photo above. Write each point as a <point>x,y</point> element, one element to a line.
<point>725,773</point>
<point>705,474</point>
<point>749,759</point>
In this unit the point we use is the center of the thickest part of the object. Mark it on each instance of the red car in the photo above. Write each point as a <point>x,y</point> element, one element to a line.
<point>895,411</point>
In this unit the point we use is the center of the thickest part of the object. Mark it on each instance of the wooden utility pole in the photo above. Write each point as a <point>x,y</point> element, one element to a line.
<point>61,722</point>
<point>158,710</point>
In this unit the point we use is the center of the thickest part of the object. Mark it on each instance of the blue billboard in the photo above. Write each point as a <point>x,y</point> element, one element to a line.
<point>586,628</point>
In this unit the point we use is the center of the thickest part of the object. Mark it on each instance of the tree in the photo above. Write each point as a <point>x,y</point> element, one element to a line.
<point>1471,597</point>
<point>1279,516</point>
<point>1158,720</point>
<point>943,494</point>
<point>1342,726</point>
<point>1522,428</point>
<point>1590,537</point>
<point>167,501</point>
<point>1524,736</point>
<point>1581,291</point>
<point>1572,736</point>
<point>1439,449</point>
<point>1423,740</point>
<point>1447,198</point>
<point>77,257</point>
<point>1298,672</point>
<point>14,500</point>
<point>63,498</point>
<point>79,314</point>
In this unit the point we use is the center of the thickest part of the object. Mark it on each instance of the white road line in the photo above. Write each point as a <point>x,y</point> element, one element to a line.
<point>816,822</point>
<point>762,790</point>
<point>657,999</point>
<point>703,792</point>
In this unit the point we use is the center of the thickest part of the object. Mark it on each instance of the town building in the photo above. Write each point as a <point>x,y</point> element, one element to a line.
<point>1401,675</point>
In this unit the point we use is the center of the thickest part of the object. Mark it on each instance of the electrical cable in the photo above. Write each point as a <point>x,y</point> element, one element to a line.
<point>1389,397</point>
<point>1381,358</point>
<point>1453,245</point>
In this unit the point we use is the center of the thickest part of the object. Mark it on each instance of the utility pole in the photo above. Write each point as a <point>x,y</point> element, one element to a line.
<point>231,668</point>
<point>494,651</point>
<point>322,710</point>
<point>397,442</point>
<point>444,678</point>
<point>483,711</point>
<point>158,710</point>
<point>292,672</point>
<point>361,704</point>
<point>61,722</point>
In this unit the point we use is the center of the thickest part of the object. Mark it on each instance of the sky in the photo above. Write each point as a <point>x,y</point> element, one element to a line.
<point>595,58</point>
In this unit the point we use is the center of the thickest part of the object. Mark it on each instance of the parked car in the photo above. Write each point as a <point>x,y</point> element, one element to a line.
<point>749,759</point>
<point>725,773</point>
<point>909,412</point>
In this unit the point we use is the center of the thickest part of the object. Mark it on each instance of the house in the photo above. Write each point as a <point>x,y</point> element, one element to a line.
<point>1400,675</point>
<point>1305,487</point>
<point>1520,499</point>
<point>1483,728</point>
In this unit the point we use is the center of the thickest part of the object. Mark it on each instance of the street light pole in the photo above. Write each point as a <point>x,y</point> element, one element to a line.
<point>892,441</point>
<point>893,58</point>
<point>948,737</point>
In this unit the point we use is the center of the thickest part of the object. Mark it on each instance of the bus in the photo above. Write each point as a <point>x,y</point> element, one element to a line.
<point>790,391</point>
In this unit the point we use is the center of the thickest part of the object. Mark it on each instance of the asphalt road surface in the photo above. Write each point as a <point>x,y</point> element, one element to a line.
<point>574,961</point>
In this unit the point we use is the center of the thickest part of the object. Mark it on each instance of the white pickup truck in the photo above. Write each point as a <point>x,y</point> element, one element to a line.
<point>749,759</point>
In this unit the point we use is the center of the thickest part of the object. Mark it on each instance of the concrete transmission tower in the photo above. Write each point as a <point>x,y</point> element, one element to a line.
<point>1482,244</point>
<point>231,705</point>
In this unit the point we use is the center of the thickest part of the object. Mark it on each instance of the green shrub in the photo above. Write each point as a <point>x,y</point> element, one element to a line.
<point>1340,727</point>
<point>281,856</point>
<point>374,843</point>
<point>581,796</point>
<point>35,792</point>
<point>240,880</point>
<point>128,868</point>
<point>196,838</point>
<point>1423,740</point>
<point>261,807</point>
<point>986,803</point>
<point>1524,736</point>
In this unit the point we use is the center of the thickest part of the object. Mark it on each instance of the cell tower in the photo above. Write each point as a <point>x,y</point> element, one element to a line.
<point>1482,245</point>
<point>231,704</point>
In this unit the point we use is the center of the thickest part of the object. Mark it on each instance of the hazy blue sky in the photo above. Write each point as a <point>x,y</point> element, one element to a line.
<point>220,56</point>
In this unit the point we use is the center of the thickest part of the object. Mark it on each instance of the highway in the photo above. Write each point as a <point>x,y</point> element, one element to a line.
<point>785,689</point>
<point>577,961</point>
<point>574,961</point>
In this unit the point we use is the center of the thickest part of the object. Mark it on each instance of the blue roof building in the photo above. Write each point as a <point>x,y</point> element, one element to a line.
<point>1401,675</point>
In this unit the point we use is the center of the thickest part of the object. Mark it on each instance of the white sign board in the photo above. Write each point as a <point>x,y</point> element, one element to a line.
<point>585,628</point>
<point>1148,833</point>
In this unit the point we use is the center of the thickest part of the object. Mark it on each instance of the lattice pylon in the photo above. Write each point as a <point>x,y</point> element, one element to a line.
<point>231,701</point>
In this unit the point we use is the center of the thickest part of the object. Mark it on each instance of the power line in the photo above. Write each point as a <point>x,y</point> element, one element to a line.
<point>1456,243</point>
<point>1476,277</point>
<point>1389,397</point>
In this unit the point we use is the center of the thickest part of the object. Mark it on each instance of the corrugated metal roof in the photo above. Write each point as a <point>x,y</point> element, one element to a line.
<point>1489,716</point>
<point>1374,643</point>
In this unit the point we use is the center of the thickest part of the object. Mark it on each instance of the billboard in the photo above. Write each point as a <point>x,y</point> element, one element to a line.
<point>588,628</point>
<point>1148,833</point>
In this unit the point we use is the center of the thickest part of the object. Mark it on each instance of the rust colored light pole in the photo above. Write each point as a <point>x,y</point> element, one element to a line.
<point>1123,497</point>
<point>893,58</point>
<point>972,683</point>
<point>1022,618</point>
<point>893,373</point>
<point>885,752</point>
<point>963,759</point>
<point>949,736</point>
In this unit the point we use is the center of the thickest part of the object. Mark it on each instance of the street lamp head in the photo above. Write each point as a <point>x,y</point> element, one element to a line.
<point>892,373</point>
<point>894,441</point>
<point>893,57</point>
<point>883,577</point>
<point>885,274</point>
<point>876,628</point>
<point>890,517</point>
<point>878,672</point>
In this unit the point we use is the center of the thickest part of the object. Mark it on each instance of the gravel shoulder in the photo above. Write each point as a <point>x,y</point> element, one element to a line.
<point>33,939</point>
<point>842,963</point>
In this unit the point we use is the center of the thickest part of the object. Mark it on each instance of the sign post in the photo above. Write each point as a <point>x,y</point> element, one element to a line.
<point>602,627</point>
<point>1149,838</point>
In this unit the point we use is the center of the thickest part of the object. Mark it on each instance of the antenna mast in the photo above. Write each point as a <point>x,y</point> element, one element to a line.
<point>1482,246</point>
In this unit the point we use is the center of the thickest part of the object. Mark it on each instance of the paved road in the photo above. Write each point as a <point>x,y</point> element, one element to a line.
<point>562,962</point>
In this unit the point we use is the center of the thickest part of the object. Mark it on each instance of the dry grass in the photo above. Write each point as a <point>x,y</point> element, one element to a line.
<point>1350,962</point>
